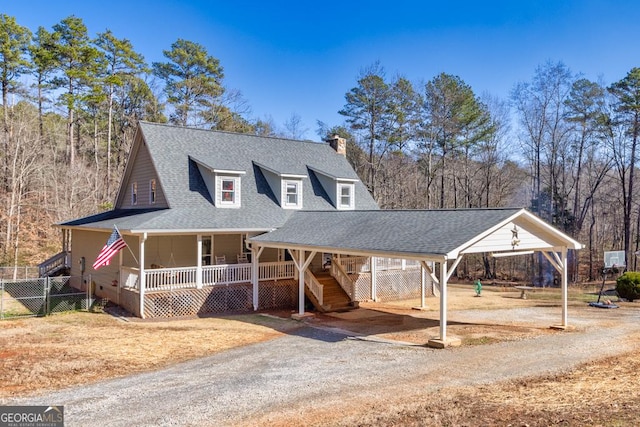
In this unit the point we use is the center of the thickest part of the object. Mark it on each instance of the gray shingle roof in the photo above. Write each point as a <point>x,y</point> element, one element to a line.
<point>435,232</point>
<point>173,150</point>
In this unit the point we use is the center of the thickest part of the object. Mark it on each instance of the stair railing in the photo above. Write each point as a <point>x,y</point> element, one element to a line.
<point>53,264</point>
<point>316,288</point>
<point>343,279</point>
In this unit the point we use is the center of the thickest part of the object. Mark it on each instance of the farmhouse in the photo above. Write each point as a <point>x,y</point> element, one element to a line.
<point>218,221</point>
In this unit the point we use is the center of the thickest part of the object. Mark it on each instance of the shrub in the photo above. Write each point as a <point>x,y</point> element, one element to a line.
<point>628,285</point>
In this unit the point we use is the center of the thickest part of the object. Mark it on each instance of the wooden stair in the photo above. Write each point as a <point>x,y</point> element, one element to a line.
<point>334,297</point>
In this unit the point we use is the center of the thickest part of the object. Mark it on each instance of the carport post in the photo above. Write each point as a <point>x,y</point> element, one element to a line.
<point>423,284</point>
<point>443,301</point>
<point>301,269</point>
<point>565,285</point>
<point>373,270</point>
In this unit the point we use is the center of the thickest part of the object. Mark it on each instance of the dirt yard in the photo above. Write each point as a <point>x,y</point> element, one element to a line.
<point>40,354</point>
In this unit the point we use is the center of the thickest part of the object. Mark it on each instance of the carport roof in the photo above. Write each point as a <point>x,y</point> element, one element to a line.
<point>435,234</point>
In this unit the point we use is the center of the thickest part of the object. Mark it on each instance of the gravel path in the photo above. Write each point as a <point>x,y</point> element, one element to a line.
<point>315,368</point>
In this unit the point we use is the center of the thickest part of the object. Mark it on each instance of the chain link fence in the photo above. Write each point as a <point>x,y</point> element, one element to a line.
<point>40,297</point>
<point>13,273</point>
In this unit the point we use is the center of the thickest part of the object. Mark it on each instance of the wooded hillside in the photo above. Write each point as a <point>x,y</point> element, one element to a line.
<point>561,145</point>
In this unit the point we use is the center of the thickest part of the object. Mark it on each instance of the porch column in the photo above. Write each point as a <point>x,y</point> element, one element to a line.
<point>565,285</point>
<point>443,341</point>
<point>199,262</point>
<point>423,284</point>
<point>255,280</point>
<point>300,266</point>
<point>373,269</point>
<point>142,279</point>
<point>443,301</point>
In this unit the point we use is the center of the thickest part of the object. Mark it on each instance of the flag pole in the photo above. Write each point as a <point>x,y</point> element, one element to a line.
<point>134,257</point>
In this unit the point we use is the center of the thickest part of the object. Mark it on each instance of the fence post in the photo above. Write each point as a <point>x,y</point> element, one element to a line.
<point>1,298</point>
<point>47,293</point>
<point>88,294</point>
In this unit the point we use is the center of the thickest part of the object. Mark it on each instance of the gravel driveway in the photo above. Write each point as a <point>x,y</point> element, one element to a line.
<point>315,368</point>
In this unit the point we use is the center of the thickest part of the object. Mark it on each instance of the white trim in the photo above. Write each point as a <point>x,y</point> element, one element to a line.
<point>351,195</point>
<point>285,194</point>
<point>228,172</point>
<point>236,192</point>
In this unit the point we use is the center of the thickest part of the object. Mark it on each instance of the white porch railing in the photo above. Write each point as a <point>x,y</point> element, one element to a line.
<point>276,270</point>
<point>170,278</point>
<point>314,286</point>
<point>354,265</point>
<point>226,274</point>
<point>185,277</point>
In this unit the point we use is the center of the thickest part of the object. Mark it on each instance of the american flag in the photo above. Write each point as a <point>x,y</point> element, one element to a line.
<point>113,246</point>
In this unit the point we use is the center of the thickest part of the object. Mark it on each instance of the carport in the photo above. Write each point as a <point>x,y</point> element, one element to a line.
<point>435,238</point>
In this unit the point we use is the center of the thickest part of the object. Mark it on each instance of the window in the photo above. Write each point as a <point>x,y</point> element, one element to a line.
<point>206,250</point>
<point>228,191</point>
<point>134,193</point>
<point>152,191</point>
<point>345,196</point>
<point>292,193</point>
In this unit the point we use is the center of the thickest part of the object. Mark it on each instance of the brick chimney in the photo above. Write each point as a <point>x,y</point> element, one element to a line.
<point>338,144</point>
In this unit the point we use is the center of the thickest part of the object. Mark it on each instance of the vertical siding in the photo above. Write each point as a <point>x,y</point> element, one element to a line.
<point>143,172</point>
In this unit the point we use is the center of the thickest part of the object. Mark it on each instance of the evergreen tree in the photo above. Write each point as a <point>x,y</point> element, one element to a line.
<point>80,64</point>
<point>193,81</point>
<point>121,61</point>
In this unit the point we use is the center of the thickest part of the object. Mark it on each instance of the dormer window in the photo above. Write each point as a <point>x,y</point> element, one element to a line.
<point>134,193</point>
<point>291,194</point>
<point>227,191</point>
<point>345,196</point>
<point>340,189</point>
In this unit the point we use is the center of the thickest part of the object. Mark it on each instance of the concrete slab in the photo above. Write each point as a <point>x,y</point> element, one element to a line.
<point>449,342</point>
<point>305,315</point>
<point>563,327</point>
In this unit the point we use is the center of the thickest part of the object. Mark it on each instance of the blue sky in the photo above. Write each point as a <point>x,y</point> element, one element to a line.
<point>299,57</point>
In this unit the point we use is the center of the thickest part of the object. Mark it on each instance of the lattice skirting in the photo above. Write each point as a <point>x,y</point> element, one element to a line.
<point>220,299</point>
<point>392,285</point>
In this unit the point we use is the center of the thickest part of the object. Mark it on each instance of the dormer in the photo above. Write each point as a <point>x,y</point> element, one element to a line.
<point>340,190</point>
<point>287,187</point>
<point>224,185</point>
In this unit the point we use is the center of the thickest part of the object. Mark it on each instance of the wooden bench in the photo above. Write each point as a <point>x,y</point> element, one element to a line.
<point>524,290</point>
